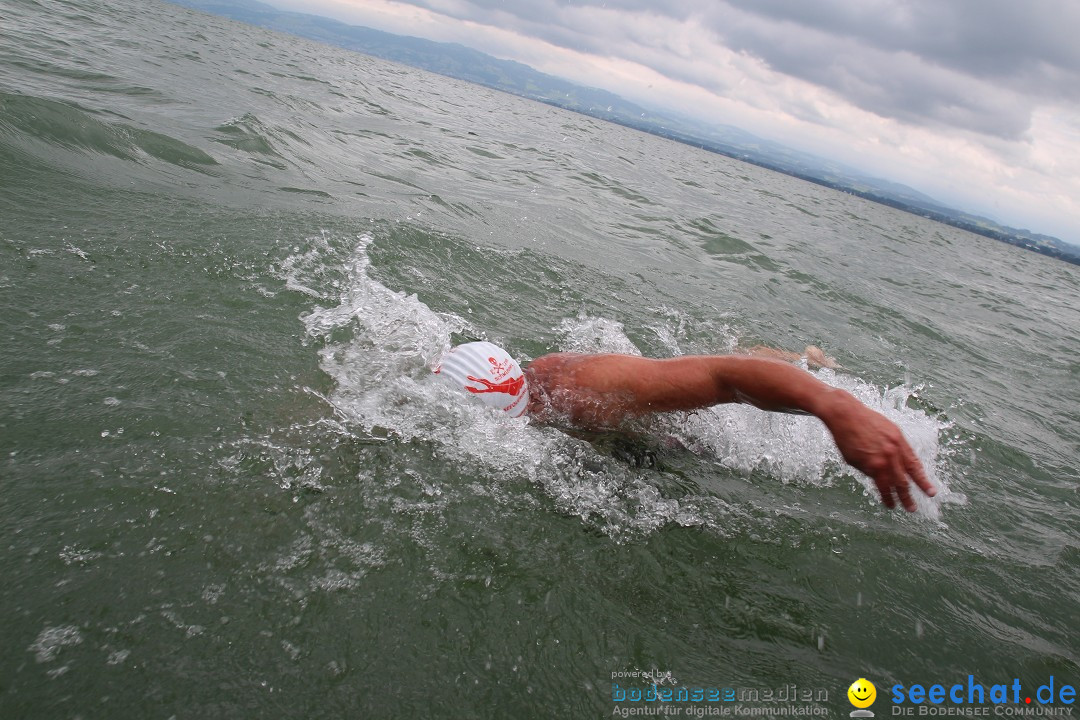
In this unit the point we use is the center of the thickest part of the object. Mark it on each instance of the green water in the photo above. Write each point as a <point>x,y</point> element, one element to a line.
<point>230,487</point>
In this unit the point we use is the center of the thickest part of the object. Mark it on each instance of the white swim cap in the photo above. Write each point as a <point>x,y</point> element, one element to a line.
<point>487,372</point>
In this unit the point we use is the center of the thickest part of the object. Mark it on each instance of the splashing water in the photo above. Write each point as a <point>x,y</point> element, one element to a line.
<point>379,345</point>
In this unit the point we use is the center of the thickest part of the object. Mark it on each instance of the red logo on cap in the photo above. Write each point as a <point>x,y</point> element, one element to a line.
<point>510,386</point>
<point>500,369</point>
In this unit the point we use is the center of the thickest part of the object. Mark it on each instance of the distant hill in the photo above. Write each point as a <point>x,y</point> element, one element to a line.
<point>451,59</point>
<point>464,63</point>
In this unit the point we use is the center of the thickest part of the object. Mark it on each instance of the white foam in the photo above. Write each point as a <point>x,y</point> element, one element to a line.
<point>588,334</point>
<point>51,640</point>
<point>379,346</point>
<point>384,384</point>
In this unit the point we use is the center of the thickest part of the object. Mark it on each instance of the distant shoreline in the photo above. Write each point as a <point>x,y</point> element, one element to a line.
<point>462,63</point>
<point>937,216</point>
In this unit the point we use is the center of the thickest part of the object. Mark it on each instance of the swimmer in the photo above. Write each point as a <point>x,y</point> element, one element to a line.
<point>603,390</point>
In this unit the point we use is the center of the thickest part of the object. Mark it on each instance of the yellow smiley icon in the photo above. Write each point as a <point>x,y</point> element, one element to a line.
<point>862,693</point>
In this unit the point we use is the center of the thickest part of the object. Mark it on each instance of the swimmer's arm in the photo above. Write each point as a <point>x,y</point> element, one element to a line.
<point>691,382</point>
<point>868,440</point>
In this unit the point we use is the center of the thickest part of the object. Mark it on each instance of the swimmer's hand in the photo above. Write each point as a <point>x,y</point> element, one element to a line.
<point>873,444</point>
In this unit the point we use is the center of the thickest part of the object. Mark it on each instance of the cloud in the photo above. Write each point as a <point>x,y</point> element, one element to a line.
<point>982,66</point>
<point>971,100</point>
<point>979,65</point>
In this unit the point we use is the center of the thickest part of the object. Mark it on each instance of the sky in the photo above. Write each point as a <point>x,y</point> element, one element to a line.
<point>974,102</point>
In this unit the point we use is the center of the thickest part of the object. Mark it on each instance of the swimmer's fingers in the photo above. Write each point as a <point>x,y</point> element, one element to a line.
<point>885,490</point>
<point>901,484</point>
<point>915,470</point>
<point>885,478</point>
<point>892,479</point>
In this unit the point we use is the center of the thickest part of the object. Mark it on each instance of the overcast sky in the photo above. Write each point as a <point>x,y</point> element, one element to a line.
<point>975,102</point>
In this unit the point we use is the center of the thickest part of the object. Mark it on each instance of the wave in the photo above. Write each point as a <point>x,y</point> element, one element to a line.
<point>27,123</point>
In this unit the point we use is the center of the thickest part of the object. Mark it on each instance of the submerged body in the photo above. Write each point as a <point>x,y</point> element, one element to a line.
<point>601,391</point>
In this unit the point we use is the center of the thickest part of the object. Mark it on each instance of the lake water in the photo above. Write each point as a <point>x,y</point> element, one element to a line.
<point>230,486</point>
